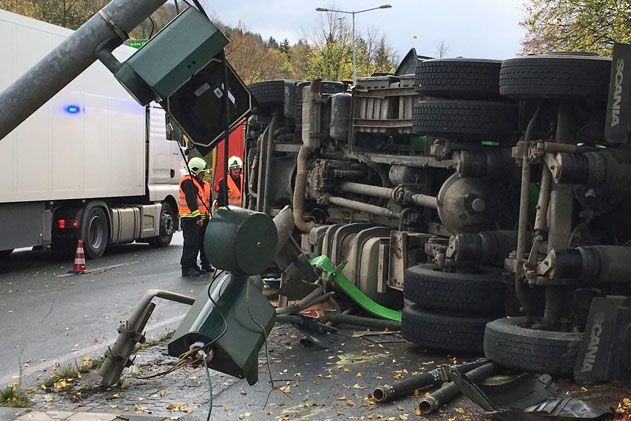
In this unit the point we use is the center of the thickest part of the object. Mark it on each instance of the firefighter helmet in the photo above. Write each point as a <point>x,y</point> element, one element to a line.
<point>235,162</point>
<point>196,165</point>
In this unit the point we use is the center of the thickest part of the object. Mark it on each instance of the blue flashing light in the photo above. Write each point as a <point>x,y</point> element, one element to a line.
<point>73,109</point>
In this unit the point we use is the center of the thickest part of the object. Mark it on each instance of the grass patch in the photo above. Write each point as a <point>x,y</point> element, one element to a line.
<point>65,377</point>
<point>154,341</point>
<point>14,397</point>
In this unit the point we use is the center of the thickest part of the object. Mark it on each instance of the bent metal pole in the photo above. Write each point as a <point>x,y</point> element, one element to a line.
<point>75,54</point>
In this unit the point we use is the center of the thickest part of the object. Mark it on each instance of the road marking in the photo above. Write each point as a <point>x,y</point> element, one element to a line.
<point>99,270</point>
<point>78,354</point>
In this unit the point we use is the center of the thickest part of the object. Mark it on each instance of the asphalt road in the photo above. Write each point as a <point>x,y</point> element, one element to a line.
<point>49,316</point>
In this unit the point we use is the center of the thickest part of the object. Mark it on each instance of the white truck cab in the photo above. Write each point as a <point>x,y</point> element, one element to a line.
<point>90,164</point>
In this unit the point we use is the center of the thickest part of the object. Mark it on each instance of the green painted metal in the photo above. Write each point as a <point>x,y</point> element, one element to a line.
<point>230,324</point>
<point>334,275</point>
<point>240,240</point>
<point>180,50</point>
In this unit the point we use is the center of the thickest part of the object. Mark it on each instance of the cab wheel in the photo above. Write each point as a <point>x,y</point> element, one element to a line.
<point>167,227</point>
<point>94,232</point>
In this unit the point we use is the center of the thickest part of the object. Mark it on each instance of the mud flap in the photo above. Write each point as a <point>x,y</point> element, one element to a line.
<point>529,397</point>
<point>618,122</point>
<point>604,354</point>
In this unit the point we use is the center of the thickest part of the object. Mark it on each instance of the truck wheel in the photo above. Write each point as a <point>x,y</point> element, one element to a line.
<point>449,332</point>
<point>94,232</point>
<point>508,343</point>
<point>480,293</point>
<point>167,227</point>
<point>459,78</point>
<point>270,93</point>
<point>466,120</point>
<point>551,76</point>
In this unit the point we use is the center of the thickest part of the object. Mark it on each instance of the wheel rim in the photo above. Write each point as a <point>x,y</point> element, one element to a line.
<point>166,225</point>
<point>96,235</point>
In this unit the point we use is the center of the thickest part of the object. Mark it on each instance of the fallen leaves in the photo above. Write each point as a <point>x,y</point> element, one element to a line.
<point>623,411</point>
<point>180,406</point>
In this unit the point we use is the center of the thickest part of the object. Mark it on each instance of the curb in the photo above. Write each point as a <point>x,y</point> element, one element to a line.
<point>20,414</point>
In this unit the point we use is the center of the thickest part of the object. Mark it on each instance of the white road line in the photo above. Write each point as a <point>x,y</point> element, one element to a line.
<point>78,354</point>
<point>99,270</point>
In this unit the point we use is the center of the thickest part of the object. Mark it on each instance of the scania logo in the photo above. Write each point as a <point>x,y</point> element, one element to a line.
<point>594,342</point>
<point>617,94</point>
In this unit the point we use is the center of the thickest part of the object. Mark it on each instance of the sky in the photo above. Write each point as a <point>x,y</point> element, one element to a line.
<point>469,28</point>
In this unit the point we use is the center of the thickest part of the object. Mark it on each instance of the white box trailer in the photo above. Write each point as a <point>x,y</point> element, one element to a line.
<point>90,164</point>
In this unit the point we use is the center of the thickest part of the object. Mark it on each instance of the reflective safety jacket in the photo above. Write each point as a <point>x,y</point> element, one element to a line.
<point>195,196</point>
<point>234,191</point>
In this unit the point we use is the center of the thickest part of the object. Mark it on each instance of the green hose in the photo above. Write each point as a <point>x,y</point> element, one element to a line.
<point>334,275</point>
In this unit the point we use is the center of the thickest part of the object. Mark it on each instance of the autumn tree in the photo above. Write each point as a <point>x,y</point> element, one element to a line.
<point>576,25</point>
<point>251,58</point>
<point>331,53</point>
<point>67,13</point>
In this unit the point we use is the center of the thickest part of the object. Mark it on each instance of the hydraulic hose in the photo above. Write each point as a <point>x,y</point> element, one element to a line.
<point>430,378</point>
<point>431,403</point>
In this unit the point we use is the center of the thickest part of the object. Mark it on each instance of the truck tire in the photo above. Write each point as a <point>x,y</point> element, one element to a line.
<point>556,77</point>
<point>466,120</point>
<point>94,232</point>
<point>449,332</point>
<point>270,93</point>
<point>167,227</point>
<point>459,78</point>
<point>509,344</point>
<point>480,293</point>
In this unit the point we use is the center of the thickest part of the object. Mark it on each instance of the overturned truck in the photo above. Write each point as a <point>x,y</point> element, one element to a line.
<point>480,196</point>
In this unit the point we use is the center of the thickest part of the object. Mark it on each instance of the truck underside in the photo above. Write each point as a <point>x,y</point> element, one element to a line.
<point>466,192</point>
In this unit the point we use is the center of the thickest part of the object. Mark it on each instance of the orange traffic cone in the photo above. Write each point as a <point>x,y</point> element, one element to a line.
<point>79,259</point>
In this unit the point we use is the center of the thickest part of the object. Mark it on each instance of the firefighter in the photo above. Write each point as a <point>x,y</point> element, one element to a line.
<point>195,194</point>
<point>232,191</point>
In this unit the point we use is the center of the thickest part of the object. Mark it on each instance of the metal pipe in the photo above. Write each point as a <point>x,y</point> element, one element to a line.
<point>431,403</point>
<point>352,174</point>
<point>367,189</point>
<point>560,222</point>
<point>130,333</point>
<point>300,305</point>
<point>362,321</point>
<point>226,139</point>
<point>262,142</point>
<point>300,189</point>
<point>268,164</point>
<point>424,200</point>
<point>310,133</point>
<point>388,193</point>
<point>284,222</point>
<point>75,54</point>
<point>523,212</point>
<point>362,207</point>
<point>541,217</point>
<point>430,378</point>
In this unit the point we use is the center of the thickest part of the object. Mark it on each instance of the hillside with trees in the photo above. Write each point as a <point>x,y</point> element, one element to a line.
<point>326,53</point>
<point>576,25</point>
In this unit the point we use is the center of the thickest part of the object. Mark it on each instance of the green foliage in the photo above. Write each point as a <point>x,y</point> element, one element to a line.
<point>576,25</point>
<point>331,53</point>
<point>327,54</point>
<point>14,397</point>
